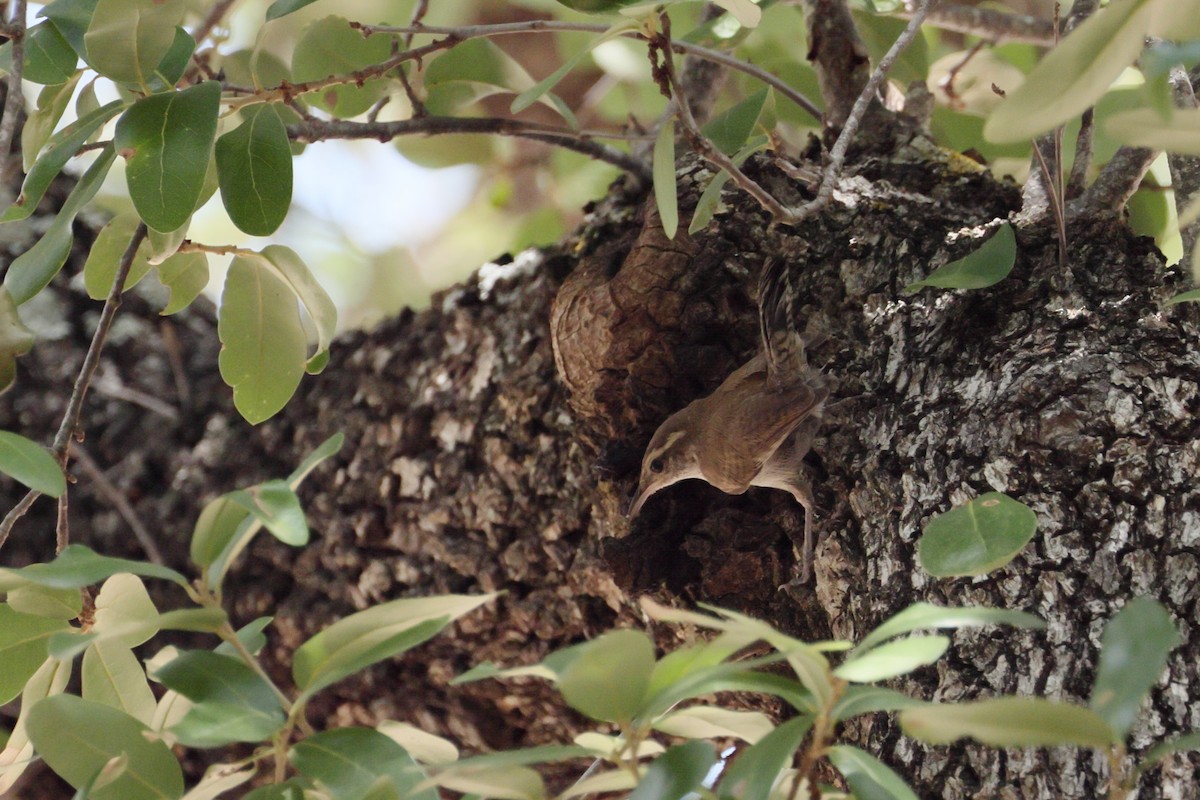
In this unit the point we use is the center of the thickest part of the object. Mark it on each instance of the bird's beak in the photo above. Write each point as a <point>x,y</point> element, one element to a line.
<point>640,499</point>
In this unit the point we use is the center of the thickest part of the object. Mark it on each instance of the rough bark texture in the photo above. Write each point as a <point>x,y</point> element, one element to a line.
<point>472,463</point>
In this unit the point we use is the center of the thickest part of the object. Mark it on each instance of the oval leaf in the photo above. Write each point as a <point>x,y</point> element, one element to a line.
<point>330,47</point>
<point>49,58</point>
<point>167,142</point>
<point>984,267</point>
<point>361,639</point>
<point>78,566</point>
<point>348,761</point>
<point>892,659</point>
<point>1145,127</point>
<point>1073,76</point>
<point>756,768</point>
<point>1009,722</point>
<point>676,773</point>
<point>1133,655</point>
<point>23,639</point>
<point>254,165</point>
<point>926,615</point>
<point>263,344</point>
<point>31,464</point>
<point>77,738</point>
<point>277,507</point>
<point>127,39</point>
<point>607,679</point>
<point>869,778</point>
<point>113,676</point>
<point>976,538</point>
<point>709,722</point>
<point>665,192</point>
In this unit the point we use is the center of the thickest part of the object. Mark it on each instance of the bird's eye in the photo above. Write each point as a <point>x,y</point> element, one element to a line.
<point>656,466</point>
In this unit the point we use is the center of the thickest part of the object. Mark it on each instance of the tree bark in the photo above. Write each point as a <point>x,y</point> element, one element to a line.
<point>473,464</point>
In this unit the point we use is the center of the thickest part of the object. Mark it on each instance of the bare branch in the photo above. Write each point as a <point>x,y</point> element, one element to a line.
<point>839,56</point>
<point>579,141</point>
<point>70,422</point>
<point>545,26</point>
<point>1083,154</point>
<point>837,155</point>
<point>989,24</point>
<point>1119,179</point>
<point>115,496</point>
<point>212,19</point>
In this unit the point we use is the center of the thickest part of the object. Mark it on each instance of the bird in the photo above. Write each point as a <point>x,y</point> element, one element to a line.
<point>753,430</point>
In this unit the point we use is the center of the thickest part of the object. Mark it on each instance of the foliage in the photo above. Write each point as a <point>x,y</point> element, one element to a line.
<point>194,116</point>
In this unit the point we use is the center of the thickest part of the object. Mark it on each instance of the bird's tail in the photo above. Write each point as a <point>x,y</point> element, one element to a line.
<point>785,347</point>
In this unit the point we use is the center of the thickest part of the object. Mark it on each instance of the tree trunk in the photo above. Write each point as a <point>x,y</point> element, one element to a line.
<point>473,464</point>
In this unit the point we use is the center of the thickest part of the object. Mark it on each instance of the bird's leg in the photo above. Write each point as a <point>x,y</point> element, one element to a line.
<point>803,494</point>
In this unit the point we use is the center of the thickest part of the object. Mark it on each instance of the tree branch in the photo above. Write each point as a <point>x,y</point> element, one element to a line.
<point>579,141</point>
<point>70,421</point>
<point>988,24</point>
<point>546,26</point>
<point>839,56</point>
<point>1117,182</point>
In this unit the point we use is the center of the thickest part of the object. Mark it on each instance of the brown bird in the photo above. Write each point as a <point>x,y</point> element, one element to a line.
<point>754,430</point>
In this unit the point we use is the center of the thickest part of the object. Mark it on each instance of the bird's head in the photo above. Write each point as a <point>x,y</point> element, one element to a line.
<point>671,456</point>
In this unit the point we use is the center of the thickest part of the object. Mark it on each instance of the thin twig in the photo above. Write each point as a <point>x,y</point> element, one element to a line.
<point>215,14</point>
<point>14,99</point>
<point>946,84</point>
<point>987,23</point>
<point>580,141</point>
<point>837,154</point>
<point>1117,182</point>
<point>546,26</point>
<point>703,146</point>
<point>1055,198</point>
<point>119,502</point>
<point>70,420</point>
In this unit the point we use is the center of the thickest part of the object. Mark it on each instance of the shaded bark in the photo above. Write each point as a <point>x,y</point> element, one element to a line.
<point>473,464</point>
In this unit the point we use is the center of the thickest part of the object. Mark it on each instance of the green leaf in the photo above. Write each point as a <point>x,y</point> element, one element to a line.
<point>712,722</point>
<point>608,677</point>
<point>663,168</point>
<point>500,783</point>
<point>113,676</point>
<point>204,676</point>
<point>1073,75</point>
<point>52,104</point>
<point>283,7</point>
<point>756,768</point>
<point>202,620</point>
<point>263,344</point>
<point>424,747</point>
<point>100,269</point>
<point>254,163</point>
<point>1009,722</point>
<point>1187,742</point>
<point>49,58</point>
<point>362,639</point>
<point>167,141</point>
<point>925,615</point>
<point>534,93</point>
<point>347,762</point>
<point>122,601</point>
<point>976,538</point>
<point>676,773</point>
<point>217,724</point>
<point>78,566</point>
<point>730,130</point>
<point>30,464</point>
<point>23,639</point>
<point>710,198</point>
<point>42,601</point>
<point>1144,127</point>
<point>71,18</point>
<point>60,149</point>
<point>127,39</point>
<point>50,678</point>
<point>892,659</point>
<point>856,700</point>
<point>1190,296</point>
<point>1133,654</point>
<point>174,64</point>
<point>330,47</point>
<point>986,266</point>
<point>317,304</point>
<point>15,339</point>
<point>31,271</point>
<point>77,738</point>
<point>186,276</point>
<point>477,69</point>
<point>276,506</point>
<point>869,778</point>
